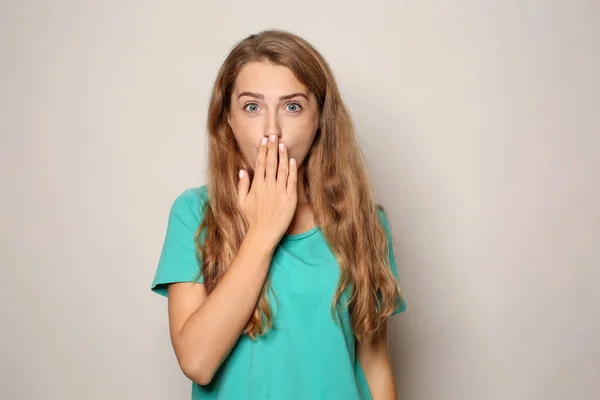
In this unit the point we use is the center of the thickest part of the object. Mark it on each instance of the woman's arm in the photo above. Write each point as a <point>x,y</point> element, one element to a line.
<point>375,362</point>
<point>204,328</point>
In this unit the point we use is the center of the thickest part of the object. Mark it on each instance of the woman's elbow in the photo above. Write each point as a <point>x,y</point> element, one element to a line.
<point>196,370</point>
<point>197,374</point>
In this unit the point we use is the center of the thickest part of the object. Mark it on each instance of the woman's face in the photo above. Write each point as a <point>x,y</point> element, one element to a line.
<point>268,100</point>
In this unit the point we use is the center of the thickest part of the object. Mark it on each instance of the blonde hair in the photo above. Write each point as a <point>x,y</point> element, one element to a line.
<point>342,202</point>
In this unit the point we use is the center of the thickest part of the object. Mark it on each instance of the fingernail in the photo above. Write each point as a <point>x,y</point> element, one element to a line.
<point>241,173</point>
<point>281,147</point>
<point>272,137</point>
<point>263,140</point>
<point>292,161</point>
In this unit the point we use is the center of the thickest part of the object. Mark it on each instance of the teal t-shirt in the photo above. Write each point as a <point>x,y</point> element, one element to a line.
<point>305,355</point>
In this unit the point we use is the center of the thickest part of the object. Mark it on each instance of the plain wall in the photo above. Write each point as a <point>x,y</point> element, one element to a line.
<point>480,123</point>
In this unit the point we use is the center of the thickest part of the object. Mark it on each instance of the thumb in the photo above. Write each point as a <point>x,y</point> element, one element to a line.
<point>243,185</point>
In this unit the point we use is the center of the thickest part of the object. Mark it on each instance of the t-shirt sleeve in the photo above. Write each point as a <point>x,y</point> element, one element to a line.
<point>178,261</point>
<point>402,306</point>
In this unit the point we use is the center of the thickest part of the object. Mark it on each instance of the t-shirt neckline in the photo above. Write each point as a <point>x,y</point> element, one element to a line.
<point>302,235</point>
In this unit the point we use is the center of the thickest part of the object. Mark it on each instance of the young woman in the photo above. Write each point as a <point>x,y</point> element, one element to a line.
<point>280,272</point>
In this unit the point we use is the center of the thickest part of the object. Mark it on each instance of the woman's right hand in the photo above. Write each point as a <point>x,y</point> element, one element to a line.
<point>270,204</point>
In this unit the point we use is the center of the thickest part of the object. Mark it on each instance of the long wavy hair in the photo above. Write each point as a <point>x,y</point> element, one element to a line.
<point>335,179</point>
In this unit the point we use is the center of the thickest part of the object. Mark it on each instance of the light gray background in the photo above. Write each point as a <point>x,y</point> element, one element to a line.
<point>480,121</point>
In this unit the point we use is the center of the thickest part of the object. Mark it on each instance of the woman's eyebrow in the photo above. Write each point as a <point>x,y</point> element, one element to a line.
<point>262,96</point>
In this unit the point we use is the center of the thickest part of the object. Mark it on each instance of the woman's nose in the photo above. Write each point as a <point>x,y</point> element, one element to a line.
<point>273,126</point>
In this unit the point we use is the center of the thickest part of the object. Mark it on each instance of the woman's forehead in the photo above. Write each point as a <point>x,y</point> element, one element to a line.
<point>272,81</point>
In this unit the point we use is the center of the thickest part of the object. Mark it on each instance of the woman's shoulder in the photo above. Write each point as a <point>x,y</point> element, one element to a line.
<point>381,213</point>
<point>190,201</point>
<point>198,194</point>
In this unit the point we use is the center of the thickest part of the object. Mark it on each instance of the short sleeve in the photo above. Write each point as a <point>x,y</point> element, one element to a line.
<point>383,217</point>
<point>178,261</point>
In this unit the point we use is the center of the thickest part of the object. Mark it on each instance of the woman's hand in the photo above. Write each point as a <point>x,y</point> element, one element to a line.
<point>270,204</point>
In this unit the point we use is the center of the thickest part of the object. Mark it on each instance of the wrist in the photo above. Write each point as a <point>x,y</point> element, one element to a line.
<point>261,242</point>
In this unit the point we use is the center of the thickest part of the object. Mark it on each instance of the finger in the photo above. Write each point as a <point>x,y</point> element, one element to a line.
<point>243,184</point>
<point>282,172</point>
<point>292,178</point>
<point>271,163</point>
<point>259,164</point>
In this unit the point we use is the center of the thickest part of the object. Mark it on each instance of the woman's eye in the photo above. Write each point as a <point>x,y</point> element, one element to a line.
<point>252,107</point>
<point>291,107</point>
<point>294,107</point>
